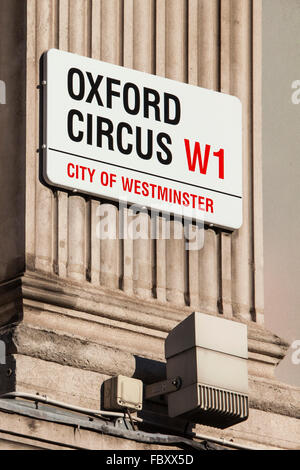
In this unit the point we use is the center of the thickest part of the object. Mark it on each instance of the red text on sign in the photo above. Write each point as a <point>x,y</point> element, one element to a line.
<point>80,172</point>
<point>163,193</point>
<point>203,162</point>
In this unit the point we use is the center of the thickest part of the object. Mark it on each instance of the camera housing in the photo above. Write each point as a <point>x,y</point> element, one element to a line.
<point>209,354</point>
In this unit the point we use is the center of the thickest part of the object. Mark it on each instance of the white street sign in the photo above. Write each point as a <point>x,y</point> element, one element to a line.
<point>125,135</point>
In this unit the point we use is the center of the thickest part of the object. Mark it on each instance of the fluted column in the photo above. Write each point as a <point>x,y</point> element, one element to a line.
<point>44,204</point>
<point>176,257</point>
<point>61,200</point>
<point>236,79</point>
<point>203,70</point>
<point>108,30</point>
<point>176,68</point>
<point>209,273</point>
<point>109,246</point>
<point>77,239</point>
<point>139,45</point>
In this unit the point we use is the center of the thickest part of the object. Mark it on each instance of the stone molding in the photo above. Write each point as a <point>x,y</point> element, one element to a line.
<point>108,332</point>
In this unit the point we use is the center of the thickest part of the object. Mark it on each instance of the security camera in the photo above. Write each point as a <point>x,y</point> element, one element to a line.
<point>207,374</point>
<point>209,355</point>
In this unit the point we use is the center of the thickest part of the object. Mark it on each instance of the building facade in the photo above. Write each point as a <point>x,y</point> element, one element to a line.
<point>76,309</point>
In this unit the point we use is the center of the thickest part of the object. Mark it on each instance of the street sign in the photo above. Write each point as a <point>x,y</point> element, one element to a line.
<point>125,135</point>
